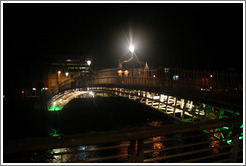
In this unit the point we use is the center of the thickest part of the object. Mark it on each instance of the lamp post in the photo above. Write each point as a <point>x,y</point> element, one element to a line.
<point>131,48</point>
<point>66,74</point>
<point>58,77</point>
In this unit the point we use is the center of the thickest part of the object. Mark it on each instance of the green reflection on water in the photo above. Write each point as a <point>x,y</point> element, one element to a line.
<point>54,133</point>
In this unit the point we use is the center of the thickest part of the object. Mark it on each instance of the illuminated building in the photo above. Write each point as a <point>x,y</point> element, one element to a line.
<point>61,70</point>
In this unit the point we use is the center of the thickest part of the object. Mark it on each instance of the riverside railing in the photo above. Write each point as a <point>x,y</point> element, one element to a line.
<point>202,142</point>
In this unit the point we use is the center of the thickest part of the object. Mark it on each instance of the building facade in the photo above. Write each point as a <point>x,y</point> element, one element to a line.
<point>60,71</point>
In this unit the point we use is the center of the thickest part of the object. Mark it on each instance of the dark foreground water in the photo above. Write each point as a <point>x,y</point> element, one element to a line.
<point>80,115</point>
<point>29,119</point>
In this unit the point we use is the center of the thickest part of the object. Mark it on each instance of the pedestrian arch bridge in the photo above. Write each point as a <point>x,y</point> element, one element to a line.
<point>187,95</point>
<point>210,101</point>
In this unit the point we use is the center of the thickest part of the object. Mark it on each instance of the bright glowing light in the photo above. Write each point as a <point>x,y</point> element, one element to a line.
<point>34,89</point>
<point>120,73</point>
<point>126,72</point>
<point>59,72</point>
<point>88,62</point>
<point>23,92</point>
<point>66,74</point>
<point>54,103</point>
<point>131,48</point>
<point>211,75</point>
<point>45,88</point>
<point>175,77</point>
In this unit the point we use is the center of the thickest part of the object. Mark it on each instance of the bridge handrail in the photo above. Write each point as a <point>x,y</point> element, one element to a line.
<point>206,85</point>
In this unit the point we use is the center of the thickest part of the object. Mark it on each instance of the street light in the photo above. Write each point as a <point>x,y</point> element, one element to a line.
<point>88,62</point>
<point>58,77</point>
<point>131,48</point>
<point>66,74</point>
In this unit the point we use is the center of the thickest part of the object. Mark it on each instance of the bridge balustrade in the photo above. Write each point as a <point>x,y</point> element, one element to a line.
<point>212,86</point>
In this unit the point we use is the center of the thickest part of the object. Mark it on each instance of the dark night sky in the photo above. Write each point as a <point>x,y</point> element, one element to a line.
<point>191,35</point>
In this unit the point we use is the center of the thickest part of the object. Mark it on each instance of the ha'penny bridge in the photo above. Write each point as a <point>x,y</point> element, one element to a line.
<point>207,104</point>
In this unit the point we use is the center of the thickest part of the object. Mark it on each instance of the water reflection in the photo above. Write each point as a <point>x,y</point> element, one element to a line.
<point>123,150</point>
<point>214,139</point>
<point>68,155</point>
<point>157,145</point>
<point>60,158</point>
<point>54,132</point>
<point>85,153</point>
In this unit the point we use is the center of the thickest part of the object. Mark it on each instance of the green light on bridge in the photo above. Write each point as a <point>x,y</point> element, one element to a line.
<point>55,108</point>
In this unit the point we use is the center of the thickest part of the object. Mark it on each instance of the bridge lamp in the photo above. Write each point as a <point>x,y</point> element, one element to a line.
<point>120,72</point>
<point>88,62</point>
<point>131,48</point>
<point>126,72</point>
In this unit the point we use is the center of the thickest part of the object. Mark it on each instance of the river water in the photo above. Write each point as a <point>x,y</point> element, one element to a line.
<point>80,115</point>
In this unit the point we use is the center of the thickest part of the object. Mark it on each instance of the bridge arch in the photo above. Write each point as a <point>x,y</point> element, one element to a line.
<point>58,101</point>
<point>187,95</point>
<point>182,109</point>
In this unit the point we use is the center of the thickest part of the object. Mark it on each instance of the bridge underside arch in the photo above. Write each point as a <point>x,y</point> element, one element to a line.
<point>60,100</point>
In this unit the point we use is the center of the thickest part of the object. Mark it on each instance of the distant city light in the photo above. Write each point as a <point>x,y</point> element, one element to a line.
<point>34,89</point>
<point>23,92</point>
<point>66,74</point>
<point>88,62</point>
<point>59,72</point>
<point>211,75</point>
<point>166,70</point>
<point>131,48</point>
<point>175,77</point>
<point>45,88</point>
